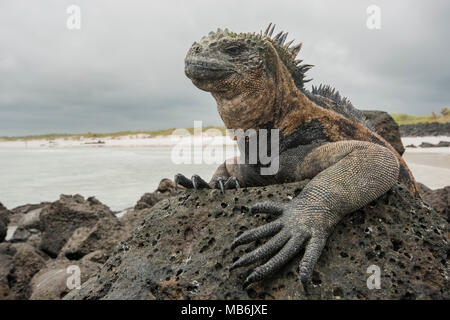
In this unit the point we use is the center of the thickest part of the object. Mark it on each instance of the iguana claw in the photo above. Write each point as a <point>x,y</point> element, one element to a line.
<point>199,183</point>
<point>196,182</point>
<point>182,180</point>
<point>222,187</point>
<point>231,183</point>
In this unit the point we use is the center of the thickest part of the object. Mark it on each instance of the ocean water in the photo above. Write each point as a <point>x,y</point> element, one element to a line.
<point>116,176</point>
<point>119,176</point>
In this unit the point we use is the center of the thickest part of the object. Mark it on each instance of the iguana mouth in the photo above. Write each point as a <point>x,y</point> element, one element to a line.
<point>205,69</point>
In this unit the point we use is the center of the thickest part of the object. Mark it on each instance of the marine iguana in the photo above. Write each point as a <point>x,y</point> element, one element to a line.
<point>258,83</point>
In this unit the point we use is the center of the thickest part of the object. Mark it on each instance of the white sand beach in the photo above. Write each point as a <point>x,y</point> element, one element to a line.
<point>139,140</point>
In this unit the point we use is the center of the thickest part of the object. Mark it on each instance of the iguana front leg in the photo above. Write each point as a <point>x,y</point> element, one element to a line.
<point>347,175</point>
<point>222,179</point>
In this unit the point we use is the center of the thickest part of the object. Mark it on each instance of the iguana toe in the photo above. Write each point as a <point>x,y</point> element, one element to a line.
<point>199,183</point>
<point>231,183</point>
<point>267,207</point>
<point>312,253</point>
<point>180,179</point>
<point>219,181</point>
<point>225,183</point>
<point>257,233</point>
<point>286,253</point>
<point>265,251</point>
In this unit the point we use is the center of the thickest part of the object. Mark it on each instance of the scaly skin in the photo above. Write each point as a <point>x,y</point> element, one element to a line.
<point>258,84</point>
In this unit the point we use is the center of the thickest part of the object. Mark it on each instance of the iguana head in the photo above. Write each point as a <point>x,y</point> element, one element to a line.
<point>246,73</point>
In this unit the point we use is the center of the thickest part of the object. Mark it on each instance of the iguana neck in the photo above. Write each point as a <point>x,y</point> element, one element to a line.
<point>246,108</point>
<point>279,105</point>
<point>264,100</point>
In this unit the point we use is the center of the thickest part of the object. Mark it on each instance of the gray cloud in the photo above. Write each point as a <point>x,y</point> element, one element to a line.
<point>124,69</point>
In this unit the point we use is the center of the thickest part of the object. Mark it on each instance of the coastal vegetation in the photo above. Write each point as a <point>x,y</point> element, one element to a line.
<point>400,119</point>
<point>403,118</point>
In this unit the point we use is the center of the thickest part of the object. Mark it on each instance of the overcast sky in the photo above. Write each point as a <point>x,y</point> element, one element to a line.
<point>124,69</point>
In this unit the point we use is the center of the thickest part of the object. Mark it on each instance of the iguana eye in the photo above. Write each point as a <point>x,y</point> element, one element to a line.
<point>233,50</point>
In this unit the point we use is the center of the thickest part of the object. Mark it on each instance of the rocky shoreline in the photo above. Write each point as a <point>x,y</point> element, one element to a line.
<point>440,144</point>
<point>50,237</point>
<point>425,129</point>
<point>175,245</point>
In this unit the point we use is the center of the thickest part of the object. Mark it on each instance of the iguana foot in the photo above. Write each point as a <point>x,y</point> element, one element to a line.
<point>294,229</point>
<point>196,182</point>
